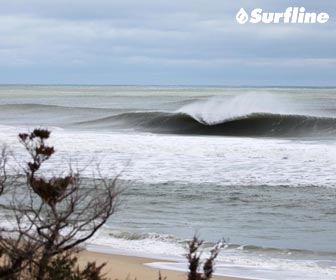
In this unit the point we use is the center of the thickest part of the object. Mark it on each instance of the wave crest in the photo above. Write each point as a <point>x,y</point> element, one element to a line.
<point>255,124</point>
<point>250,114</point>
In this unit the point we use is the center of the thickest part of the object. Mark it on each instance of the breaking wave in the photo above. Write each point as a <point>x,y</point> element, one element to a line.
<point>250,114</point>
<point>254,124</point>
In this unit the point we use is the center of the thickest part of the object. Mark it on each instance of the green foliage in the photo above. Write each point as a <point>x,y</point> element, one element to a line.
<point>66,268</point>
<point>61,268</point>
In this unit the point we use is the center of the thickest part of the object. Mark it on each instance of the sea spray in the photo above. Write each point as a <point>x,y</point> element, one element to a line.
<point>215,110</point>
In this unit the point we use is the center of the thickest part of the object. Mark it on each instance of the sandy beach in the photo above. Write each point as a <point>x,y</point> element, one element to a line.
<point>232,164</point>
<point>167,140</point>
<point>128,267</point>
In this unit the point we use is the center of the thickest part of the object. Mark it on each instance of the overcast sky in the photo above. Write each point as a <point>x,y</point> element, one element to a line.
<point>172,42</point>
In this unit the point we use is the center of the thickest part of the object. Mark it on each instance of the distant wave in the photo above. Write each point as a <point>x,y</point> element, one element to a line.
<point>35,106</point>
<point>254,124</point>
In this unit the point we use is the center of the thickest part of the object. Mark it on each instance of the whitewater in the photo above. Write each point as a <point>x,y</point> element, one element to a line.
<point>255,166</point>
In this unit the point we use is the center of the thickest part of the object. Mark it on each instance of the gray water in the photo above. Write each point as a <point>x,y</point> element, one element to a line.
<point>255,166</point>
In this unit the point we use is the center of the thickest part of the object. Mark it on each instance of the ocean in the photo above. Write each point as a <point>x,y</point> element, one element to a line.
<point>253,166</point>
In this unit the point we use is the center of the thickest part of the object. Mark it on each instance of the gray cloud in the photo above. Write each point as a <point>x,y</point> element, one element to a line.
<point>162,42</point>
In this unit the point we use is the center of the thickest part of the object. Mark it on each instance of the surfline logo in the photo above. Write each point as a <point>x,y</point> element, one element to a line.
<point>291,15</point>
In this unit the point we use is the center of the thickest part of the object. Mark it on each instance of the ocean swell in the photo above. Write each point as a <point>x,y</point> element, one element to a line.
<point>254,124</point>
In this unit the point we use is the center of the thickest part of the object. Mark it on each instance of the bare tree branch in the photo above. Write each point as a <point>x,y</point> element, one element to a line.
<point>48,216</point>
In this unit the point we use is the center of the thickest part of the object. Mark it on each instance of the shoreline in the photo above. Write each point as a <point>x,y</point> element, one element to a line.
<point>123,267</point>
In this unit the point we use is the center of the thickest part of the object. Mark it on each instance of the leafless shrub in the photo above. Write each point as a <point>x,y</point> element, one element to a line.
<point>161,277</point>
<point>50,216</point>
<point>3,168</point>
<point>194,259</point>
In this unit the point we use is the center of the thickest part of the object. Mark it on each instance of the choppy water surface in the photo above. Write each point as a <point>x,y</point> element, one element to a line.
<point>255,166</point>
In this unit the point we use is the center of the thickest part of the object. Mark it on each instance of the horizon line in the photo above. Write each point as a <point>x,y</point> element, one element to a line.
<point>166,85</point>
